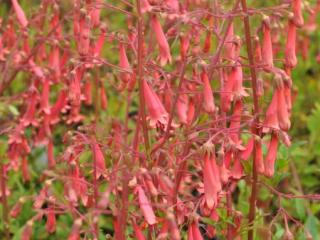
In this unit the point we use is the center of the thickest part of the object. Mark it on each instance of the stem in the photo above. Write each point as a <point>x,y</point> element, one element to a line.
<point>256,110</point>
<point>5,216</point>
<point>140,79</point>
<point>229,213</point>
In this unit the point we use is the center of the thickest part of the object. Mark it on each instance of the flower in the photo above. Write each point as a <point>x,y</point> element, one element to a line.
<point>164,47</point>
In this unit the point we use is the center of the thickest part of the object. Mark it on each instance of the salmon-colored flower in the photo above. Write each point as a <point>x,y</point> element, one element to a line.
<point>45,105</point>
<point>208,100</point>
<point>271,119</point>
<point>29,116</point>
<point>27,231</point>
<point>259,157</point>
<point>164,48</point>
<point>290,50</point>
<point>282,110</point>
<point>267,52</point>
<point>157,112</point>
<point>146,207</point>
<point>182,108</point>
<point>194,232</point>
<point>95,13</point>
<point>297,13</point>
<point>51,220</point>
<point>271,156</point>
<point>211,180</point>
<point>246,153</point>
<point>98,158</point>
<point>145,6</point>
<point>124,64</point>
<point>75,231</point>
<point>84,35</point>
<point>20,13</point>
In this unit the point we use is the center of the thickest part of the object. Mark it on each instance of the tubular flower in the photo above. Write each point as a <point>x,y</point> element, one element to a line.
<point>282,110</point>
<point>164,48</point>
<point>29,116</point>
<point>145,6</point>
<point>271,119</point>
<point>146,207</point>
<point>259,157</point>
<point>98,158</point>
<point>182,108</point>
<point>267,52</point>
<point>124,64</point>
<point>290,50</point>
<point>212,184</point>
<point>297,13</point>
<point>194,232</point>
<point>271,156</point>
<point>208,100</point>
<point>157,112</point>
<point>20,13</point>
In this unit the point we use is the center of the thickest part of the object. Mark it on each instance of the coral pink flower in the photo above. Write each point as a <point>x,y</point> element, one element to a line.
<point>194,232</point>
<point>20,13</point>
<point>246,153</point>
<point>282,110</point>
<point>145,6</point>
<point>164,48</point>
<point>290,50</point>
<point>29,116</point>
<point>271,156</point>
<point>45,105</point>
<point>87,92</point>
<point>237,169</point>
<point>271,119</point>
<point>297,13</point>
<point>182,108</point>
<point>236,76</point>
<point>229,50</point>
<point>75,231</point>
<point>95,13</point>
<point>267,52</point>
<point>27,231</point>
<point>16,209</point>
<point>84,36</point>
<point>211,179</point>
<point>99,44</point>
<point>157,112</point>
<point>98,158</point>
<point>51,221</point>
<point>226,92</point>
<point>208,100</point>
<point>54,59</point>
<point>75,95</point>
<point>184,46</point>
<point>146,207</point>
<point>60,104</point>
<point>259,157</point>
<point>173,5</point>
<point>124,64</point>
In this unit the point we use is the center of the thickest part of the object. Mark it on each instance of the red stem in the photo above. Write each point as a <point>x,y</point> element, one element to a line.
<point>256,110</point>
<point>140,79</point>
<point>5,216</point>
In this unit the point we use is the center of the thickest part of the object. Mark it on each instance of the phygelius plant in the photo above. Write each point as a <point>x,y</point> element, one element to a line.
<point>138,119</point>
